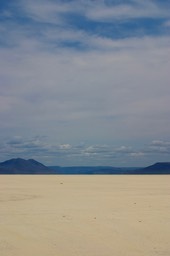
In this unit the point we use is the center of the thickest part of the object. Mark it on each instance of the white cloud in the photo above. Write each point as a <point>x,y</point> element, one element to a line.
<point>137,9</point>
<point>45,11</point>
<point>160,146</point>
<point>137,154</point>
<point>65,146</point>
<point>167,23</point>
<point>160,143</point>
<point>55,12</point>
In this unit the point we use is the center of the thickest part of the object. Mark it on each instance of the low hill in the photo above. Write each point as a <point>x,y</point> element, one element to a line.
<point>87,170</point>
<point>157,168</point>
<point>22,166</point>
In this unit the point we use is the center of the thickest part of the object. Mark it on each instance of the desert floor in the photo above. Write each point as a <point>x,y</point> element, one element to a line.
<point>84,215</point>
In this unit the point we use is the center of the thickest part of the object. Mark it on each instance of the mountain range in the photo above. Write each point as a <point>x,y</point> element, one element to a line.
<point>31,166</point>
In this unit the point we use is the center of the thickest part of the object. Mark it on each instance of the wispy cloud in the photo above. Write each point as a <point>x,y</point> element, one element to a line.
<point>128,10</point>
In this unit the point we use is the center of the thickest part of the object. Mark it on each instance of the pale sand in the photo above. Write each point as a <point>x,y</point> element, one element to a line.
<point>84,215</point>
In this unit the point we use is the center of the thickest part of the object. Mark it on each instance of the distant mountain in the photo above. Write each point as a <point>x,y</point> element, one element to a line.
<point>157,168</point>
<point>22,166</point>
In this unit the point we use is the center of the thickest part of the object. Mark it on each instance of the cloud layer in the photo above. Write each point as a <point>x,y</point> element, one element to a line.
<point>83,154</point>
<point>84,71</point>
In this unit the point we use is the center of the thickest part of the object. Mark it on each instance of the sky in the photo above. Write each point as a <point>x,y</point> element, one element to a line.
<point>85,82</point>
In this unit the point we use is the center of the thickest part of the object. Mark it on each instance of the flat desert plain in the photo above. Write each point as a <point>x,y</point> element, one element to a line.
<point>84,215</point>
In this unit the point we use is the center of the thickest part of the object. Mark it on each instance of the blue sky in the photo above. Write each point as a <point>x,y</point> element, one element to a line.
<point>85,82</point>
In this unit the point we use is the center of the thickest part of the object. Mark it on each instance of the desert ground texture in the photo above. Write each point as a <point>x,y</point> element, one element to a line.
<point>98,215</point>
